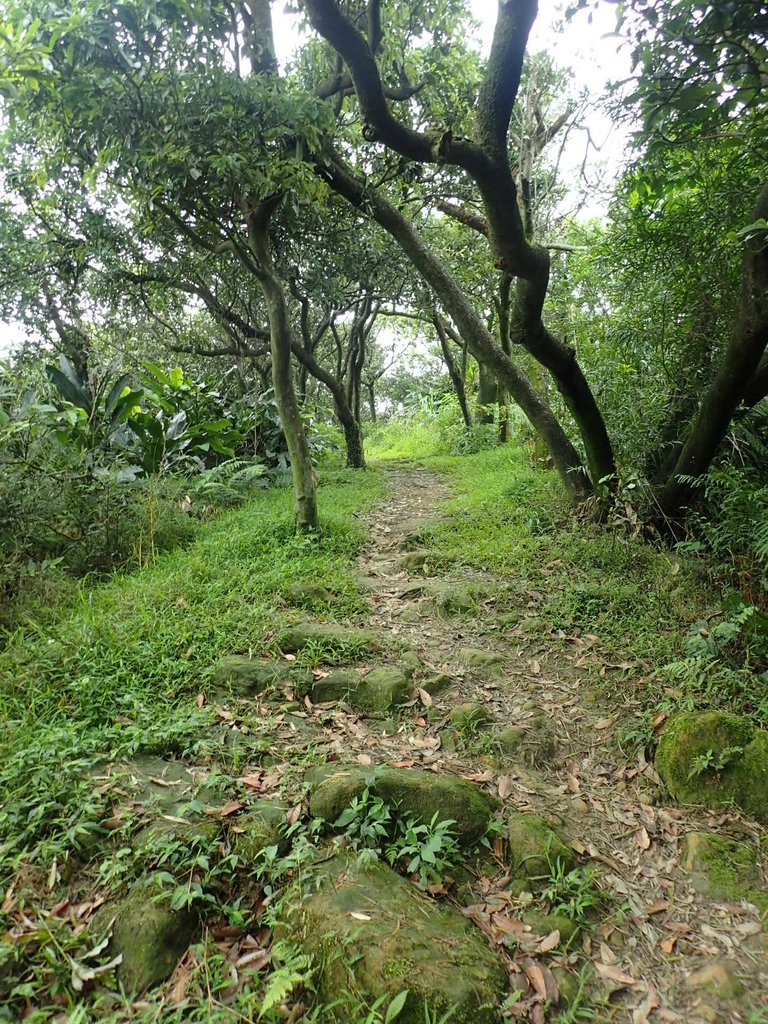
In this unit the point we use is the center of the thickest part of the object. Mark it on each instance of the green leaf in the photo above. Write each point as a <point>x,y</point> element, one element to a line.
<point>395,1008</point>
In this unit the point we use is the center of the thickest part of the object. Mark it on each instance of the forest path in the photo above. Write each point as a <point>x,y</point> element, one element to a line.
<point>669,946</point>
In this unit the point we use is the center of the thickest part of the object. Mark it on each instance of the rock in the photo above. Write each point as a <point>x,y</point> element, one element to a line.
<point>437,683</point>
<point>481,659</point>
<point>382,689</point>
<point>247,677</point>
<point>448,742</point>
<point>410,662</point>
<point>470,717</point>
<point>368,934</point>
<point>307,595</point>
<point>411,614</point>
<point>412,591</point>
<point>151,937</point>
<point>535,848</point>
<point>543,925</point>
<point>416,561</point>
<point>718,979</point>
<point>455,601</point>
<point>715,759</point>
<point>414,792</point>
<point>532,744</point>
<point>331,640</point>
<point>376,692</point>
<point>723,868</point>
<point>568,985</point>
<point>163,830</point>
<point>259,827</point>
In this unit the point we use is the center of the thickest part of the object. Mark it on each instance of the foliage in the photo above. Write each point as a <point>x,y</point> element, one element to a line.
<point>572,893</point>
<point>425,851</point>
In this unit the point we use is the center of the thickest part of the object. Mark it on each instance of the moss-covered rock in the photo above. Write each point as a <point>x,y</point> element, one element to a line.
<point>436,683</point>
<point>479,658</point>
<point>415,561</point>
<point>259,827</point>
<point>370,935</point>
<point>532,744</point>
<point>307,595</point>
<point>382,689</point>
<point>412,791</point>
<point>470,717</point>
<point>723,868</point>
<point>542,925</point>
<point>247,677</point>
<point>331,639</point>
<point>717,759</point>
<point>150,936</point>
<point>454,601</point>
<point>535,847</point>
<point>376,692</point>
<point>410,662</point>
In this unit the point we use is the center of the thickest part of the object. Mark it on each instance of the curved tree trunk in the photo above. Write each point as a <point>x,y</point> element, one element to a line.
<point>487,394</point>
<point>738,370</point>
<point>453,370</point>
<point>281,339</point>
<point>564,455</point>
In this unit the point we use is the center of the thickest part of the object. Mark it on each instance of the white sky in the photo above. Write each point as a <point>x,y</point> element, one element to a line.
<point>588,48</point>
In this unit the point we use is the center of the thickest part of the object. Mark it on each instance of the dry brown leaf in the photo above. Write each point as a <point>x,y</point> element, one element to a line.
<point>365,759</point>
<point>408,763</point>
<point>615,974</point>
<point>290,657</point>
<point>550,942</point>
<point>536,667</point>
<point>604,723</point>
<point>231,808</point>
<point>251,781</point>
<point>506,786</point>
<point>200,699</point>
<point>642,839</point>
<point>294,814</point>
<point>668,944</point>
<point>254,961</point>
<point>535,976</point>
<point>651,1002</point>
<point>573,784</point>
<point>223,713</point>
<point>657,907</point>
<point>425,698</point>
<point>360,916</point>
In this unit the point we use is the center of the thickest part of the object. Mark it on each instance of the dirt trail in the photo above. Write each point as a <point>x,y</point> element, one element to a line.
<point>664,952</point>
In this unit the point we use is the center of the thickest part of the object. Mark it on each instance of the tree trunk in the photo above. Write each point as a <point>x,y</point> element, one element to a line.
<point>453,371</point>
<point>281,339</point>
<point>372,400</point>
<point>738,367</point>
<point>353,441</point>
<point>487,394</point>
<point>564,455</point>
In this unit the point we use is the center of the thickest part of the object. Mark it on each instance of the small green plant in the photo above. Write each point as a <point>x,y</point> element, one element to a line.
<point>366,822</point>
<point>571,893</point>
<point>709,761</point>
<point>426,850</point>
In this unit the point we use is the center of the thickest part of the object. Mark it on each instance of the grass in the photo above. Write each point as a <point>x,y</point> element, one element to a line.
<point>119,673</point>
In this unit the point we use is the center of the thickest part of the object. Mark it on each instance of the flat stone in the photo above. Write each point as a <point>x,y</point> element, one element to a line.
<point>414,792</point>
<point>150,936</point>
<point>480,658</point>
<point>542,925</point>
<point>437,683</point>
<point>247,677</point>
<point>535,848</point>
<point>376,692</point>
<point>415,561</point>
<point>331,640</point>
<point>470,717</point>
<point>307,595</point>
<point>455,601</point>
<point>370,933</point>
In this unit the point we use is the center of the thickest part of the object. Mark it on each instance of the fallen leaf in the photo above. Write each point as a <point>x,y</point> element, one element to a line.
<point>657,907</point>
<point>549,943</point>
<point>604,723</point>
<point>251,781</point>
<point>506,786</point>
<point>668,944</point>
<point>290,657</point>
<point>200,700</point>
<point>402,764</point>
<point>573,784</point>
<point>651,1002</point>
<point>365,759</point>
<point>425,698</point>
<point>231,808</point>
<point>536,667</point>
<point>294,814</point>
<point>615,974</point>
<point>359,916</point>
<point>642,839</point>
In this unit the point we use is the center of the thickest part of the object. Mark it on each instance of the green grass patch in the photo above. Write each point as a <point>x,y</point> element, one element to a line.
<point>512,520</point>
<point>119,671</point>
